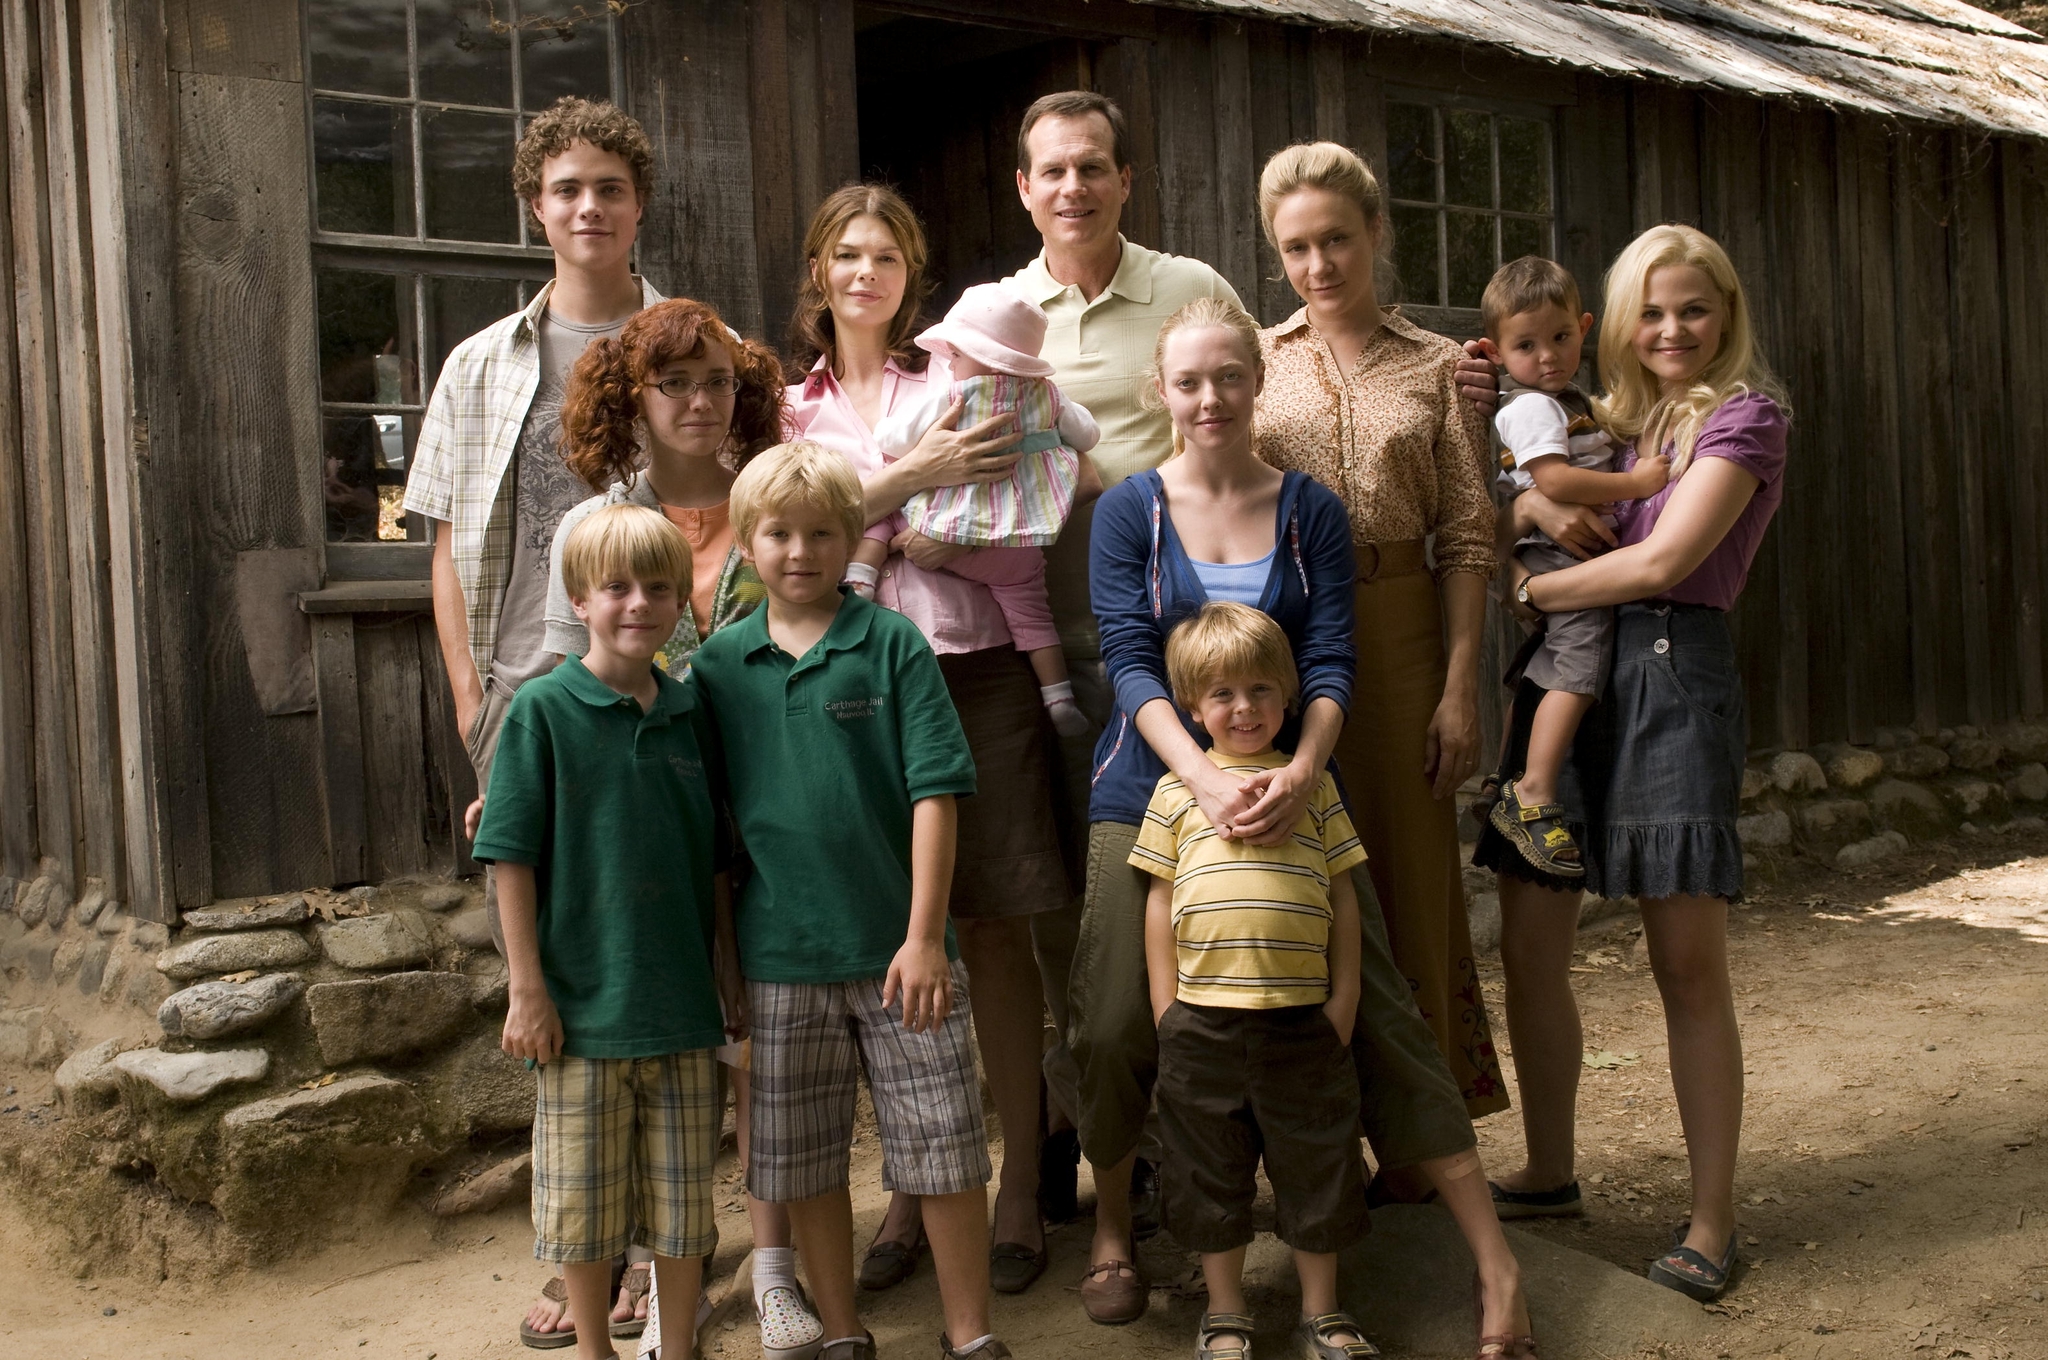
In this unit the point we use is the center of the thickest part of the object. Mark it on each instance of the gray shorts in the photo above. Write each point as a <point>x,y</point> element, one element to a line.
<point>811,1042</point>
<point>1578,645</point>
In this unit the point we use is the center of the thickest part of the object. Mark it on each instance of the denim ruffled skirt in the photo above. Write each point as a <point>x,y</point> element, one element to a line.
<point>1654,784</point>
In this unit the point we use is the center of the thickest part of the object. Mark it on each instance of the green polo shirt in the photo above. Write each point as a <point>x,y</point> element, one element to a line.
<point>825,754</point>
<point>613,808</point>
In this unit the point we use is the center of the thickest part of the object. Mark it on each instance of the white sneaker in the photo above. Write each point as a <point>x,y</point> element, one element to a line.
<point>790,1329</point>
<point>650,1340</point>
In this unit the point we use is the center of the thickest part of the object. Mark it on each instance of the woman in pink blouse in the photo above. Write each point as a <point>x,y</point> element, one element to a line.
<point>858,307</point>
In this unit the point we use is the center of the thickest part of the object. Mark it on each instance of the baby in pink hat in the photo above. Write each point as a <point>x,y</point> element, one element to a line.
<point>990,342</point>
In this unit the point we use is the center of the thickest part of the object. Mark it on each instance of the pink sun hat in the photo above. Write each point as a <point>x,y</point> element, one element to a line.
<point>993,326</point>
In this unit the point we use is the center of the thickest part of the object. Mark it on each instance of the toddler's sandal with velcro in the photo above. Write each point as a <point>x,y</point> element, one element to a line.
<point>1538,833</point>
<point>1318,1336</point>
<point>1224,1336</point>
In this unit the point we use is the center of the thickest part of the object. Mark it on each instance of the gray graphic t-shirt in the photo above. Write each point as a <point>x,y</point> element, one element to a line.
<point>545,490</point>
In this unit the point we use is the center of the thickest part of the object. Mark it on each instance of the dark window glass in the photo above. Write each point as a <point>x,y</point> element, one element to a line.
<point>458,308</point>
<point>1411,152</point>
<point>1519,236</point>
<point>1470,239</point>
<point>358,46</point>
<point>570,59</point>
<point>365,329</point>
<point>354,455</point>
<point>1524,166</point>
<point>1468,158</point>
<point>1415,255</point>
<point>462,60</point>
<point>362,167</point>
<point>469,176</point>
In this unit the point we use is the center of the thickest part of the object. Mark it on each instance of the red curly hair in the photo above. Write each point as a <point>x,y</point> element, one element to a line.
<point>601,410</point>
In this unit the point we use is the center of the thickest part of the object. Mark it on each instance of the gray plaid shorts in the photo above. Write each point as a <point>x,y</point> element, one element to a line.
<point>811,1041</point>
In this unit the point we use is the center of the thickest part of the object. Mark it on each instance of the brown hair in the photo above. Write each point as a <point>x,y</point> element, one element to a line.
<point>624,542</point>
<point>1074,104</point>
<point>569,120</point>
<point>810,328</point>
<point>1228,641</point>
<point>1524,285</point>
<point>601,410</point>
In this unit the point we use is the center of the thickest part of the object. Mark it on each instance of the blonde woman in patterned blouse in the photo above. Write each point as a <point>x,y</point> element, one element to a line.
<point>1368,403</point>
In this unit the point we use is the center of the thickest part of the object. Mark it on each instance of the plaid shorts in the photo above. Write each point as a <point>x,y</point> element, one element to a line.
<point>811,1041</point>
<point>622,1156</point>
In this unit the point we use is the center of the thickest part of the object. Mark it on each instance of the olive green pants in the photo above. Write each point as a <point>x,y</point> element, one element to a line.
<point>1411,1109</point>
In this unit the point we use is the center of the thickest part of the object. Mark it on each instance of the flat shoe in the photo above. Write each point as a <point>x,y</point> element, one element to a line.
<point>1691,1273</point>
<point>1563,1202</point>
<point>1111,1297</point>
<point>1014,1267</point>
<point>1315,1336</point>
<point>889,1264</point>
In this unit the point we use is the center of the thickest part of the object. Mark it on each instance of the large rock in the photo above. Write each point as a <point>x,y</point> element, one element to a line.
<point>1872,851</point>
<point>213,955</point>
<point>70,954</point>
<point>92,967</point>
<point>488,1189</point>
<point>2025,741</point>
<point>187,1077</point>
<point>398,1013</point>
<point>211,1010</point>
<point>1764,830</point>
<point>1977,800</point>
<point>1850,767</point>
<point>254,914</point>
<point>1910,809</point>
<point>88,1080</point>
<point>91,904</point>
<point>397,939</point>
<point>470,928</point>
<point>1918,761</point>
<point>2029,785</point>
<point>1835,821</point>
<point>1409,1284</point>
<point>318,1160</point>
<point>1974,753</point>
<point>443,896</point>
<point>481,1089</point>
<point>1755,783</point>
<point>35,1036</point>
<point>1797,772</point>
<point>32,906</point>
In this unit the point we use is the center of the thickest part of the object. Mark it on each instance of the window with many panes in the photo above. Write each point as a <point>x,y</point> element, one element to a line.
<point>418,242</point>
<point>1469,189</point>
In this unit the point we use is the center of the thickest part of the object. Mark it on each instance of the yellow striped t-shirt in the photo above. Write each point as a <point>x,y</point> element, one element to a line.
<point>1251,923</point>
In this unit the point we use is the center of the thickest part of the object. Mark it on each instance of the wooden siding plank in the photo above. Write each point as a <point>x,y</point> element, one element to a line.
<point>243,464</point>
<point>341,747</point>
<point>103,841</point>
<point>452,787</point>
<point>2026,358</point>
<point>1123,71</point>
<point>1981,445</point>
<point>18,853</point>
<point>58,815</point>
<point>254,38</point>
<point>778,151</point>
<point>395,752</point>
<point>1187,153</point>
<point>1274,126</point>
<point>686,81</point>
<point>1235,204</point>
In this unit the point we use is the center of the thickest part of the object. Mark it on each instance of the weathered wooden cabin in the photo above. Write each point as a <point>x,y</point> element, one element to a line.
<point>242,234</point>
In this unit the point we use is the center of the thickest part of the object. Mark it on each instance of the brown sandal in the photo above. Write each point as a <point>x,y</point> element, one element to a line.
<point>634,1284</point>
<point>1111,1297</point>
<point>1539,833</point>
<point>556,1290</point>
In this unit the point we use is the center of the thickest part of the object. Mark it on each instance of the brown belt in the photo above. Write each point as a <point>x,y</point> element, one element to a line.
<point>1400,557</point>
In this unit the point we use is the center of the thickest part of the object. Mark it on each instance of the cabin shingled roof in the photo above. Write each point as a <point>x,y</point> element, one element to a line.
<point>1929,60</point>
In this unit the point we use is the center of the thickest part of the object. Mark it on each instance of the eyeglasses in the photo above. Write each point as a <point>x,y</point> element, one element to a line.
<point>682,389</point>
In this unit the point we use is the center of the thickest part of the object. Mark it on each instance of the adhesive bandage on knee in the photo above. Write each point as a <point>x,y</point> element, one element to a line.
<point>1458,1167</point>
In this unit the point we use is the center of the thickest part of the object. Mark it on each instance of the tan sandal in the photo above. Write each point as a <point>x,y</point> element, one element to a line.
<point>634,1284</point>
<point>556,1290</point>
<point>1111,1297</point>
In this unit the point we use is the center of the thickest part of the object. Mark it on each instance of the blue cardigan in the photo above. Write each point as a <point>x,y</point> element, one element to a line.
<point>1142,584</point>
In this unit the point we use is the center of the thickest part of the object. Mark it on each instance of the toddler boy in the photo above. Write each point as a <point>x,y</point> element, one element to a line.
<point>1552,443</point>
<point>1252,954</point>
<point>845,757</point>
<point>614,907</point>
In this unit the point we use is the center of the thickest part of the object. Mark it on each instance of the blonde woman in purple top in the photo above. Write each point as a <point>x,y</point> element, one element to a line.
<point>1653,786</point>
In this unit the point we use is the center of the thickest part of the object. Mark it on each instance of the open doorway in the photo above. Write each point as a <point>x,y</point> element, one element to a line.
<point>939,108</point>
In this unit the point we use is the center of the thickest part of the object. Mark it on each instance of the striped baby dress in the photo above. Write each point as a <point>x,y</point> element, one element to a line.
<point>1028,508</point>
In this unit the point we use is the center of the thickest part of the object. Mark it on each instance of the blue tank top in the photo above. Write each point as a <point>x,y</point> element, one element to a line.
<point>1237,582</point>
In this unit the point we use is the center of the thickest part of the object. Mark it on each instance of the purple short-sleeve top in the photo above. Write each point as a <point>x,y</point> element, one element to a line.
<point>1749,431</point>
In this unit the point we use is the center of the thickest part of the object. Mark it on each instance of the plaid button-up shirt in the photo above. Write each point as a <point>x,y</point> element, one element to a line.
<point>466,445</point>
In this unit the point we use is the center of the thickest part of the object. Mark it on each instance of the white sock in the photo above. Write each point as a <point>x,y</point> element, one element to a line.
<point>773,1266</point>
<point>1052,694</point>
<point>1067,718</point>
<point>863,578</point>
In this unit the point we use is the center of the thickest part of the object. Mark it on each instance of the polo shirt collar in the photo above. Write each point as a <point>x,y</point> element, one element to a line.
<point>529,320</point>
<point>1132,280</point>
<point>849,628</point>
<point>670,696</point>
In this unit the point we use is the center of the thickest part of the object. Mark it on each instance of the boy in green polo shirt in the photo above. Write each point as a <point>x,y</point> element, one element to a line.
<point>845,756</point>
<point>602,823</point>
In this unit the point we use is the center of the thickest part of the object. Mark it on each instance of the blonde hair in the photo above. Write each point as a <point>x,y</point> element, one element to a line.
<point>1634,402</point>
<point>798,473</point>
<point>1317,165</point>
<point>1198,315</point>
<point>624,542</point>
<point>1225,640</point>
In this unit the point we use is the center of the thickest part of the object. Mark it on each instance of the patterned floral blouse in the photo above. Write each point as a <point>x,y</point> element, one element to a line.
<point>1397,443</point>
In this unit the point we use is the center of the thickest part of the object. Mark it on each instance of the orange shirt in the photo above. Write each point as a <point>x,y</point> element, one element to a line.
<point>709,531</point>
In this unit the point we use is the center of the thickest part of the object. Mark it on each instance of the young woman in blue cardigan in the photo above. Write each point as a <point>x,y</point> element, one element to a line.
<point>1216,523</point>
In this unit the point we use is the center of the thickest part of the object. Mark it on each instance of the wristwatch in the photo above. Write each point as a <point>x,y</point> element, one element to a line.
<point>1522,593</point>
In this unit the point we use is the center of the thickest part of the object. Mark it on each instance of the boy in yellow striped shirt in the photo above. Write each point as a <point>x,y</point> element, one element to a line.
<point>1253,957</point>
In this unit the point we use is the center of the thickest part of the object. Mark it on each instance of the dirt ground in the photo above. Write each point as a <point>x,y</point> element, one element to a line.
<point>1894,1174</point>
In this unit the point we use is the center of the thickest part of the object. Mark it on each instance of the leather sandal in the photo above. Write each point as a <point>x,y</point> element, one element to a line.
<point>1538,833</point>
<point>888,1264</point>
<point>1214,1325</point>
<point>1111,1297</point>
<point>1317,1338</point>
<point>634,1284</point>
<point>990,1349</point>
<point>556,1290</point>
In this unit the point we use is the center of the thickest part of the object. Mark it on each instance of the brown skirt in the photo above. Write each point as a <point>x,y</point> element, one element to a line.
<point>1008,861</point>
<point>1411,838</point>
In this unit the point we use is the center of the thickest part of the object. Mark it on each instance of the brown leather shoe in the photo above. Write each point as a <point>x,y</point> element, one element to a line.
<point>1112,1297</point>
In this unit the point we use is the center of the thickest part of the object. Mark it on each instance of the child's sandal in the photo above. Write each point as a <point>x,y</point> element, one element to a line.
<point>1216,1325</point>
<point>1318,1338</point>
<point>1539,833</point>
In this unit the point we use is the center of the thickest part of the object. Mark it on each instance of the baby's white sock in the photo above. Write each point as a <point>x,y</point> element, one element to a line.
<point>1067,718</point>
<point>773,1266</point>
<point>863,578</point>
